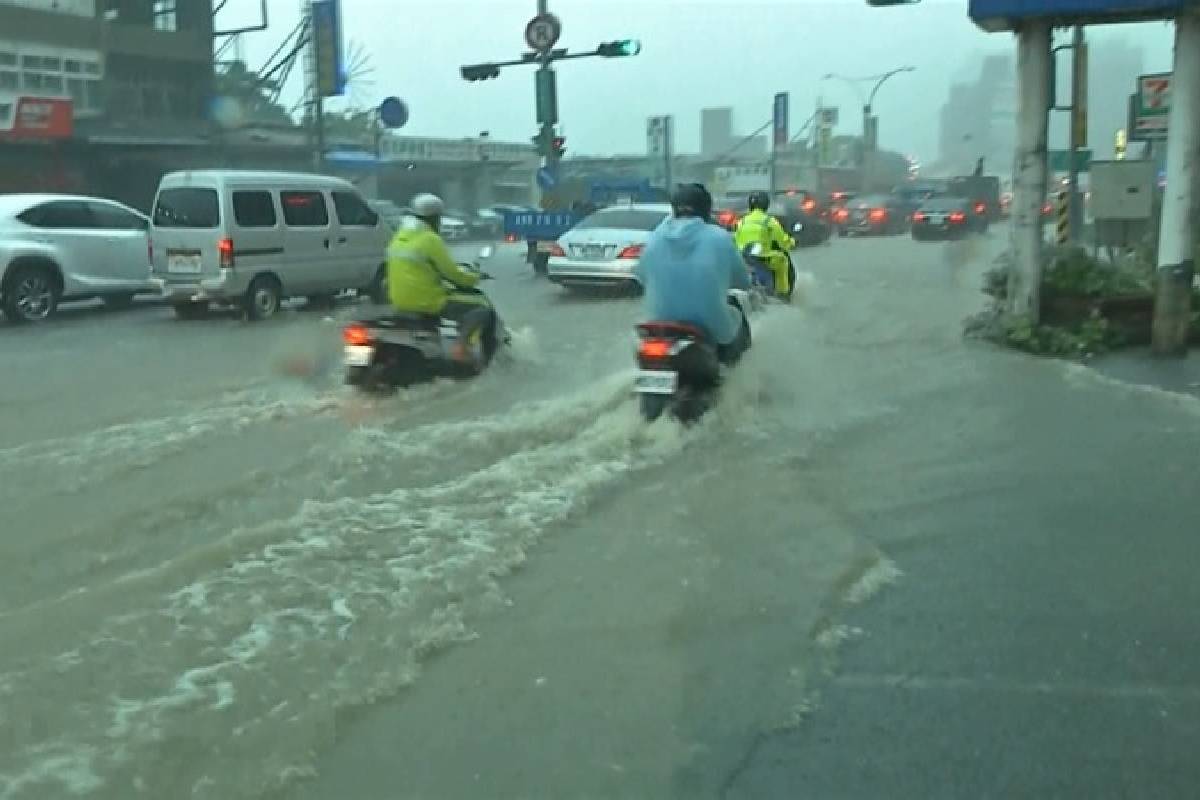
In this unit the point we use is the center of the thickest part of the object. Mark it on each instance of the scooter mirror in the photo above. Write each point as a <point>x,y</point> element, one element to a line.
<point>486,252</point>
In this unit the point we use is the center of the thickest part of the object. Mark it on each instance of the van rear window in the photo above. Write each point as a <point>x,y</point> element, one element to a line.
<point>187,208</point>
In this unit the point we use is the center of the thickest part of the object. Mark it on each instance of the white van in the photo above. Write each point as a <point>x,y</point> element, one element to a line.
<point>252,239</point>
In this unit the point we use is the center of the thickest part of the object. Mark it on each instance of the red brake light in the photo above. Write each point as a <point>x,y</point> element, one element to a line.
<point>841,214</point>
<point>919,216</point>
<point>958,216</point>
<point>225,253</point>
<point>1047,209</point>
<point>878,214</point>
<point>633,251</point>
<point>654,348</point>
<point>356,334</point>
<point>512,237</point>
<point>556,250</point>
<point>809,204</point>
<point>980,208</point>
<point>791,192</point>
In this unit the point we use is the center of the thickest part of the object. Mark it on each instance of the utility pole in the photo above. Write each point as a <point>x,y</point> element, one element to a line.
<point>1079,110</point>
<point>1177,236</point>
<point>668,150</point>
<point>1029,178</point>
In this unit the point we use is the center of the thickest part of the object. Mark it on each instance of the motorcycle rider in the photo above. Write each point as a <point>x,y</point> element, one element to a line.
<point>687,269</point>
<point>419,266</point>
<point>757,226</point>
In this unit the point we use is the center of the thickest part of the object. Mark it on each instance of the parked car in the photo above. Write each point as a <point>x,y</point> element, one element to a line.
<point>876,214</point>
<point>728,210</point>
<point>57,248</point>
<point>252,239</point>
<point>604,247</point>
<point>392,214</point>
<point>946,218</point>
<point>454,228</point>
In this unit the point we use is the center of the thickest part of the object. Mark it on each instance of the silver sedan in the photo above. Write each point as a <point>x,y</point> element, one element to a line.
<point>63,247</point>
<point>604,248</point>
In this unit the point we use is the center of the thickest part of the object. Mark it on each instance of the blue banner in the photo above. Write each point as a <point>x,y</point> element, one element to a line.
<point>327,38</point>
<point>981,10</point>
<point>542,226</point>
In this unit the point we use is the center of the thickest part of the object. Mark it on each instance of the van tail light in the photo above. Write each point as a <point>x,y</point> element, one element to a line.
<point>356,335</point>
<point>556,250</point>
<point>980,208</point>
<point>225,253</point>
<point>958,216</point>
<point>632,251</point>
<point>654,348</point>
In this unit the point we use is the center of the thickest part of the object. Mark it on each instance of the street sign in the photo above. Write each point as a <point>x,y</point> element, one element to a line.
<point>542,32</point>
<point>828,117</point>
<point>656,136</point>
<point>1059,160</point>
<point>1151,107</point>
<point>393,113</point>
<point>780,120</point>
<point>1007,15</point>
<point>547,97</point>
<point>327,38</point>
<point>547,178</point>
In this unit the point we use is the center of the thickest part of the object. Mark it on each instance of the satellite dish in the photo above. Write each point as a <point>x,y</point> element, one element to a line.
<point>393,113</point>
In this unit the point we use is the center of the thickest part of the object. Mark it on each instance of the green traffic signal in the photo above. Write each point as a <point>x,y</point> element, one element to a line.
<point>480,72</point>
<point>621,47</point>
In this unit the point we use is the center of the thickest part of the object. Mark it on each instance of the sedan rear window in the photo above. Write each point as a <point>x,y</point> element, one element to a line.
<point>627,219</point>
<point>943,204</point>
<point>187,208</point>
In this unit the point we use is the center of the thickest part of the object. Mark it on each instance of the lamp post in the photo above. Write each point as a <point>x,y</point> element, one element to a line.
<point>870,134</point>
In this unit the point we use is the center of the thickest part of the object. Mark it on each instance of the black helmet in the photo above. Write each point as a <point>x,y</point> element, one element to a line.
<point>692,200</point>
<point>759,200</point>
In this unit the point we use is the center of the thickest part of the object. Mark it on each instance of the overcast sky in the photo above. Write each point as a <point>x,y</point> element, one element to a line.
<point>695,54</point>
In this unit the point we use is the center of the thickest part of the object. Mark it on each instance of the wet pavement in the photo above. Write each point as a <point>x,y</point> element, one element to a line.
<point>221,580</point>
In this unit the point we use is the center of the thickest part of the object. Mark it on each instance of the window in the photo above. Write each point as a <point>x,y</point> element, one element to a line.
<point>8,59</point>
<point>52,83</point>
<point>187,208</point>
<point>59,214</point>
<point>91,68</point>
<point>75,88</point>
<point>6,112</point>
<point>72,66</point>
<point>32,80</point>
<point>353,211</point>
<point>165,18</point>
<point>635,219</point>
<point>110,217</point>
<point>8,80</point>
<point>254,209</point>
<point>50,64</point>
<point>304,209</point>
<point>31,62</point>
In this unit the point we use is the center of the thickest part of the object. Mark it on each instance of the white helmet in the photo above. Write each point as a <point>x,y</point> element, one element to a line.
<point>428,205</point>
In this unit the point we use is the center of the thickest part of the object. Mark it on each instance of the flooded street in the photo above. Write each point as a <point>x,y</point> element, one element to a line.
<point>217,580</point>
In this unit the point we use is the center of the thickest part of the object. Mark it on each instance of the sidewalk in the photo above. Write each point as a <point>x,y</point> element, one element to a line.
<point>1043,640</point>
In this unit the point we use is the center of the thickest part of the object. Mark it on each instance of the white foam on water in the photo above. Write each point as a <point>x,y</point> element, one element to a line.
<point>1083,376</point>
<point>333,606</point>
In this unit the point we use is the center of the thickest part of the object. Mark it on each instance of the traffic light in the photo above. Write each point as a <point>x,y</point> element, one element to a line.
<point>559,145</point>
<point>619,48</point>
<point>480,72</point>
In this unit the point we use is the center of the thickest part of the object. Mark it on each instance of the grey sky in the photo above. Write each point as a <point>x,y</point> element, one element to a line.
<point>696,53</point>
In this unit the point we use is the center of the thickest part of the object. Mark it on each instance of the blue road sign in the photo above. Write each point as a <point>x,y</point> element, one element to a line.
<point>544,226</point>
<point>779,120</point>
<point>547,177</point>
<point>1003,15</point>
<point>393,113</point>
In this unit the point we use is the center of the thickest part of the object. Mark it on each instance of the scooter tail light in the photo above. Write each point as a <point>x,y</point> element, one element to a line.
<point>654,348</point>
<point>356,335</point>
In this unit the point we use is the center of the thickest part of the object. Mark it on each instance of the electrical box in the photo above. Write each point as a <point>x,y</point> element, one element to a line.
<point>1122,190</point>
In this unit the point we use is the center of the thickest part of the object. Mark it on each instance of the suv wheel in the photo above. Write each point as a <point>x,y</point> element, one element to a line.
<point>31,294</point>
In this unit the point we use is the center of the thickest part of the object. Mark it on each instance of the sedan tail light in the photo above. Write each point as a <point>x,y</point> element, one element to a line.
<point>632,251</point>
<point>556,250</point>
<point>980,208</point>
<point>878,214</point>
<point>958,216</point>
<point>919,216</point>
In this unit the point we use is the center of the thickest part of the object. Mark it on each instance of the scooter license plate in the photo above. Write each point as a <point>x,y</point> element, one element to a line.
<point>656,381</point>
<point>358,355</point>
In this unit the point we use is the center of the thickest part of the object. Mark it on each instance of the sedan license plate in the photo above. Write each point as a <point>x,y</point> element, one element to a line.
<point>656,381</point>
<point>593,251</point>
<point>359,355</point>
<point>184,263</point>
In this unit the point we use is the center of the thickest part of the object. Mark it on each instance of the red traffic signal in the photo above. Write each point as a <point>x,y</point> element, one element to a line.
<point>559,143</point>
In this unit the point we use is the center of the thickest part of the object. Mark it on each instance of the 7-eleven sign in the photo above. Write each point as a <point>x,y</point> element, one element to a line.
<point>1151,107</point>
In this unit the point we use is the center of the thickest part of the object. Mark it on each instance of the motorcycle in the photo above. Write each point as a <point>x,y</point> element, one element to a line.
<point>396,350</point>
<point>762,279</point>
<point>679,367</point>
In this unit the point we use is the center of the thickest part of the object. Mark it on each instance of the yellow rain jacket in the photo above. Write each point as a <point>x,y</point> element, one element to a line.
<point>418,263</point>
<point>759,226</point>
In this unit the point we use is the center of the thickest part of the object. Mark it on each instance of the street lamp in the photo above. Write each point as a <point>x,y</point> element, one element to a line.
<point>870,133</point>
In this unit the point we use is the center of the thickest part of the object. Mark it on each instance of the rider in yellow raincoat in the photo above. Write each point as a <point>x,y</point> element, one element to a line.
<point>423,278</point>
<point>759,226</point>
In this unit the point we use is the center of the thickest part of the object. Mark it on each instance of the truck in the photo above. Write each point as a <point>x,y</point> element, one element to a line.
<point>983,191</point>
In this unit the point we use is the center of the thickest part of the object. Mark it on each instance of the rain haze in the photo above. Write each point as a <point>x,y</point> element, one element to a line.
<point>347,463</point>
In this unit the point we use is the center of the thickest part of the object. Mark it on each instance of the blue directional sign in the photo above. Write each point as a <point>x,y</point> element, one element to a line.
<point>1006,15</point>
<point>545,226</point>
<point>547,177</point>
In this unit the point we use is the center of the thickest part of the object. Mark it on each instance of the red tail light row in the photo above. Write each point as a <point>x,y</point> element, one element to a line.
<point>654,348</point>
<point>225,253</point>
<point>356,335</point>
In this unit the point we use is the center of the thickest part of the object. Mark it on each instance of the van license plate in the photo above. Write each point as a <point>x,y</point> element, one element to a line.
<point>184,264</point>
<point>359,355</point>
<point>655,381</point>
